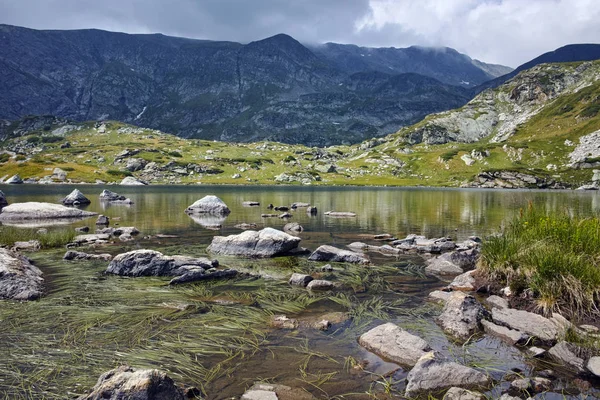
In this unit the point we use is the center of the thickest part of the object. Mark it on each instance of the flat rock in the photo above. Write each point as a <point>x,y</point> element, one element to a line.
<point>461,316</point>
<point>393,343</point>
<point>340,214</point>
<point>464,282</point>
<point>91,238</point>
<point>497,301</point>
<point>566,354</point>
<point>300,280</point>
<point>526,322</point>
<point>430,375</point>
<point>270,391</point>
<point>78,255</point>
<point>30,245</point>
<point>251,203</point>
<point>333,254</point>
<point>299,204</point>
<point>131,181</point>
<point>209,205</point>
<point>136,384</point>
<point>267,242</point>
<point>41,211</point>
<point>440,295</point>
<point>246,226</point>
<point>75,198</point>
<point>456,393</point>
<point>320,284</point>
<point>505,334</point>
<point>154,263</point>
<point>19,279</point>
<point>293,227</point>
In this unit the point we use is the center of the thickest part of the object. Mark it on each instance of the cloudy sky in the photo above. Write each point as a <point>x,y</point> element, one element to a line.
<point>508,32</point>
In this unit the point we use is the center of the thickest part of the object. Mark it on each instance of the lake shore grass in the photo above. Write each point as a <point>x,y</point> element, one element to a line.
<point>551,256</point>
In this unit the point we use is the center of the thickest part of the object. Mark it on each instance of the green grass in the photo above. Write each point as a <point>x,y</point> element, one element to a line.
<point>556,255</point>
<point>53,238</point>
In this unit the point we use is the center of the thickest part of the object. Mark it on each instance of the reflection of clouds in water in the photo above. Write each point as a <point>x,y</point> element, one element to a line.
<point>208,221</point>
<point>40,223</point>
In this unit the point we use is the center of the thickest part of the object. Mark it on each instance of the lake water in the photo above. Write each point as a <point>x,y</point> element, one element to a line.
<point>216,335</point>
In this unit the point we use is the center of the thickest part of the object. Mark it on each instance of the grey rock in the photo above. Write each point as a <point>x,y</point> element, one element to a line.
<point>431,374</point>
<point>91,238</point>
<point>333,254</point>
<point>299,204</point>
<point>209,205</point>
<point>497,301</point>
<point>565,353</point>
<point>267,242</point>
<point>326,268</point>
<point>14,180</point>
<point>285,215</point>
<point>246,226</point>
<point>102,220</point>
<point>195,274</point>
<point>453,262</point>
<point>536,351</point>
<point>3,201</point>
<point>456,393</point>
<point>464,282</point>
<point>320,284</point>
<point>41,211</point>
<point>522,384</point>
<point>131,181</point>
<point>311,210</point>
<point>77,255</point>
<point>462,316</point>
<point>507,396</point>
<point>75,198</point>
<point>30,245</point>
<point>83,229</point>
<point>507,335</point>
<point>283,322</point>
<point>154,263</point>
<point>593,365</point>
<point>109,196</point>
<point>135,164</point>
<point>251,203</point>
<point>440,295</point>
<point>293,227</point>
<point>393,343</point>
<point>300,279</point>
<point>526,322</point>
<point>59,174</point>
<point>136,384</point>
<point>19,279</point>
<point>270,391</point>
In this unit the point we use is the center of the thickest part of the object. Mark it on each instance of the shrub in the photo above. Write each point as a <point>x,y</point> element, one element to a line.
<point>4,157</point>
<point>449,155</point>
<point>175,154</point>
<point>119,173</point>
<point>33,139</point>
<point>51,139</point>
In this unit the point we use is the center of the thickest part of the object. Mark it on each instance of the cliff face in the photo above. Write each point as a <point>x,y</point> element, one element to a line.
<point>274,89</point>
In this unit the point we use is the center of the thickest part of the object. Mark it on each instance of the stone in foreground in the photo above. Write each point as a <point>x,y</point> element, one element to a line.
<point>526,322</point>
<point>19,279</point>
<point>461,316</point>
<point>391,342</point>
<point>269,391</point>
<point>41,211</point>
<point>456,393</point>
<point>75,198</point>
<point>333,254</point>
<point>154,263</point>
<point>503,333</point>
<point>136,384</point>
<point>267,242</point>
<point>433,375</point>
<point>300,279</point>
<point>209,205</point>
<point>566,354</point>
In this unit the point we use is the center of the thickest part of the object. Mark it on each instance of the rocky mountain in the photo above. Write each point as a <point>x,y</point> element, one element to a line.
<point>275,89</point>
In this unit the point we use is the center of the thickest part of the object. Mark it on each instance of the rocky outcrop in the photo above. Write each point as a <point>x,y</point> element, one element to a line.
<point>431,374</point>
<point>132,181</point>
<point>209,205</point>
<point>19,279</point>
<point>462,316</point>
<point>513,180</point>
<point>333,254</point>
<point>75,198</point>
<point>154,263</point>
<point>136,384</point>
<point>393,343</point>
<point>267,242</point>
<point>587,153</point>
<point>41,211</point>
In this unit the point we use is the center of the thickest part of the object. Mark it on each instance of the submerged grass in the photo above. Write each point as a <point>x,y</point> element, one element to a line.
<point>556,255</point>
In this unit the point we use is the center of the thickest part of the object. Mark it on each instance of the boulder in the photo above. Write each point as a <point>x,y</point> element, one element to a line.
<point>593,365</point>
<point>102,220</point>
<point>333,254</point>
<point>154,263</point>
<point>456,393</point>
<point>107,195</point>
<point>526,322</point>
<point>311,210</point>
<point>300,280</point>
<point>497,301</point>
<point>393,343</point>
<point>320,284</point>
<point>431,374</point>
<point>136,384</point>
<point>30,245</point>
<point>19,279</point>
<point>59,174</point>
<point>267,242</point>
<point>209,205</point>
<point>505,334</point>
<point>41,211</point>
<point>464,282</point>
<point>131,181</point>
<point>293,227</point>
<point>78,255</point>
<point>566,354</point>
<point>454,262</point>
<point>3,201</point>
<point>14,180</point>
<point>75,198</point>
<point>462,316</point>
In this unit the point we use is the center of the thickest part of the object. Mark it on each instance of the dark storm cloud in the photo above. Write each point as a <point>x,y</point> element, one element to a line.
<point>502,31</point>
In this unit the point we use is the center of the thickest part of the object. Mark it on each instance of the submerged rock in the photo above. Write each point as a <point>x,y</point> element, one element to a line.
<point>75,198</point>
<point>431,374</point>
<point>19,279</point>
<point>293,227</point>
<point>461,316</point>
<point>154,263</point>
<point>41,211</point>
<point>333,254</point>
<point>391,342</point>
<point>209,205</point>
<point>136,384</point>
<point>267,242</point>
<point>456,393</point>
<point>320,284</point>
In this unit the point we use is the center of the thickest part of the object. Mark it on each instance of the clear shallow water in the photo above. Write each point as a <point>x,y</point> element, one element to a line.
<point>89,322</point>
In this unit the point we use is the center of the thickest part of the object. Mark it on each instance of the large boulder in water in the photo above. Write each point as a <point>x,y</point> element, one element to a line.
<point>462,315</point>
<point>3,201</point>
<point>268,242</point>
<point>136,384</point>
<point>394,343</point>
<point>107,195</point>
<point>41,211</point>
<point>333,254</point>
<point>75,198</point>
<point>154,263</point>
<point>19,279</point>
<point>209,205</point>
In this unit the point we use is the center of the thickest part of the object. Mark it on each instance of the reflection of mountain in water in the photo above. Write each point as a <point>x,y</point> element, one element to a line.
<point>209,221</point>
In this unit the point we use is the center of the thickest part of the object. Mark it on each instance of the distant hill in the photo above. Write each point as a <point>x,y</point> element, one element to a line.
<point>275,89</point>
